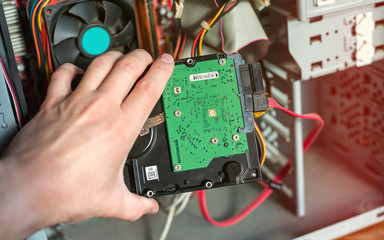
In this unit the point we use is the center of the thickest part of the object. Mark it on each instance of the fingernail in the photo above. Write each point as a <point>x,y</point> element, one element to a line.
<point>166,58</point>
<point>153,211</point>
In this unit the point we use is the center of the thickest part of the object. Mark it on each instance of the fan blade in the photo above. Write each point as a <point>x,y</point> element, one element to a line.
<point>118,49</point>
<point>113,14</point>
<point>86,11</point>
<point>83,62</point>
<point>124,37</point>
<point>66,51</point>
<point>66,27</point>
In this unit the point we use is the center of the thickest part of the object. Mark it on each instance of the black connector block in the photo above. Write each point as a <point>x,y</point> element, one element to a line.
<point>255,97</point>
<point>274,185</point>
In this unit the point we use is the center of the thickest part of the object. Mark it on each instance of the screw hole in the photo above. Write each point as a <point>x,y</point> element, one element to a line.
<point>150,193</point>
<point>208,184</point>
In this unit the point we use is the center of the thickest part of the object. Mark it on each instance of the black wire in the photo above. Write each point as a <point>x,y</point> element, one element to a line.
<point>259,147</point>
<point>195,54</point>
<point>179,32</point>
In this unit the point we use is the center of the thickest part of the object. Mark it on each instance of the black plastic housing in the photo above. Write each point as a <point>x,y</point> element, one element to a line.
<point>52,13</point>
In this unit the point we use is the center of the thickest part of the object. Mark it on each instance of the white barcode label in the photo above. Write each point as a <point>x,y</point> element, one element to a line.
<point>203,76</point>
<point>152,173</point>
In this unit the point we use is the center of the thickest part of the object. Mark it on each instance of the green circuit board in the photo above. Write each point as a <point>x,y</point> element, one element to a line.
<point>203,114</point>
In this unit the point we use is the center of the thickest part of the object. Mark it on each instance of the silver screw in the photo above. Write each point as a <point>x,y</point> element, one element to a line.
<point>177,113</point>
<point>214,140</point>
<point>221,61</point>
<point>150,193</point>
<point>20,67</point>
<point>235,137</point>
<point>4,125</point>
<point>177,167</point>
<point>208,184</point>
<point>190,61</point>
<point>254,174</point>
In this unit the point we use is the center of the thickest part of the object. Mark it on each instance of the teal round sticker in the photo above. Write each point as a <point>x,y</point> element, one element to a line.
<point>95,41</point>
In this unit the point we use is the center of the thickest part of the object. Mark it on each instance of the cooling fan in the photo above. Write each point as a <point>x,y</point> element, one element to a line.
<point>79,31</point>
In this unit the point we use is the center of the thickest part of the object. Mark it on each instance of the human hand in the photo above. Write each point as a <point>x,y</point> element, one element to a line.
<point>67,163</point>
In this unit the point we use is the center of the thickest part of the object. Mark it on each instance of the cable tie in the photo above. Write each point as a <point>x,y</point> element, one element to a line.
<point>205,25</point>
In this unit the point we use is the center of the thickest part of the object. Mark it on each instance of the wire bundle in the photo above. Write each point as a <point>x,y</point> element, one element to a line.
<point>39,34</point>
<point>180,44</point>
<point>181,41</point>
<point>224,9</point>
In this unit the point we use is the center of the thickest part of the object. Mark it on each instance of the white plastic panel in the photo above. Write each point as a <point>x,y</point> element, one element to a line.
<point>337,41</point>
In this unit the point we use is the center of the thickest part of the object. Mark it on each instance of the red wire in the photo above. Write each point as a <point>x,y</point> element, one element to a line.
<point>46,47</point>
<point>311,137</point>
<point>267,191</point>
<point>247,210</point>
<point>194,43</point>
<point>53,2</point>
<point>230,6</point>
<point>49,57</point>
<point>43,37</point>
<point>169,3</point>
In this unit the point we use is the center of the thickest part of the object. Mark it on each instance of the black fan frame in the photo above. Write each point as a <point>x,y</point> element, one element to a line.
<point>52,14</point>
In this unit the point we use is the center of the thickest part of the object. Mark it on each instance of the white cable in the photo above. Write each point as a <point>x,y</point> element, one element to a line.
<point>179,203</point>
<point>183,205</point>
<point>176,201</point>
<point>168,223</point>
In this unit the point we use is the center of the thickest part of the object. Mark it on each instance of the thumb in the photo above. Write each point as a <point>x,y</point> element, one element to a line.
<point>134,206</point>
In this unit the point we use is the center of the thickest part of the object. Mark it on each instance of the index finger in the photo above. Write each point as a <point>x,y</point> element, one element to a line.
<point>148,90</point>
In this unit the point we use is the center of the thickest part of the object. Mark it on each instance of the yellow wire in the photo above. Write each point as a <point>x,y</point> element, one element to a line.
<point>39,14</point>
<point>262,143</point>
<point>210,24</point>
<point>259,114</point>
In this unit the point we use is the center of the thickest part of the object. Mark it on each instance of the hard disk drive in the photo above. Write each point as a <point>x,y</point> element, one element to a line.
<point>201,134</point>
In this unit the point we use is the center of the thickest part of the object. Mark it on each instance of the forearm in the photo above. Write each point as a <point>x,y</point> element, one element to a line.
<point>19,213</point>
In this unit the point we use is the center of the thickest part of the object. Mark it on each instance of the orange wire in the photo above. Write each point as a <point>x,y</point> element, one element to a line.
<point>34,32</point>
<point>39,17</point>
<point>182,46</point>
